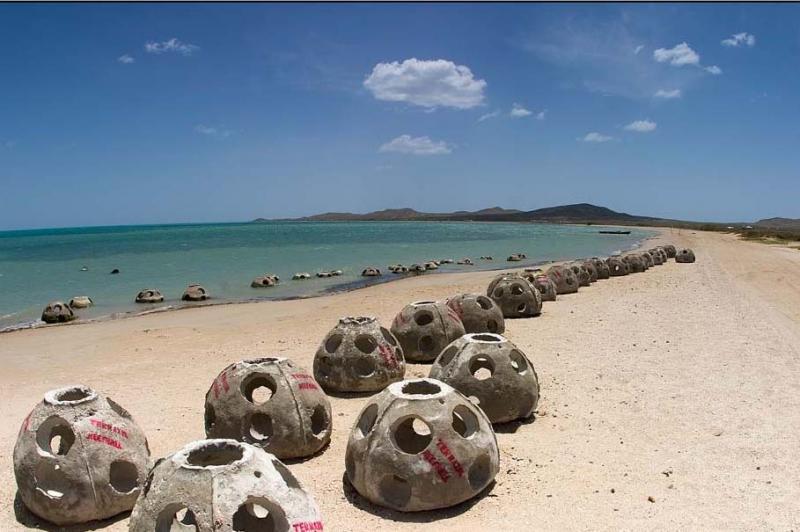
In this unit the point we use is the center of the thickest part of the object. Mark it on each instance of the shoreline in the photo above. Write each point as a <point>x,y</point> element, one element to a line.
<point>350,286</point>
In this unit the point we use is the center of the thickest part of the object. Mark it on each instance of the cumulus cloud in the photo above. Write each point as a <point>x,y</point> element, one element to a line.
<point>667,94</point>
<point>126,59</point>
<point>416,146</point>
<point>212,131</point>
<point>517,111</point>
<point>713,69</point>
<point>679,55</point>
<point>436,83</point>
<point>641,126</point>
<point>171,46</point>
<point>638,49</point>
<point>541,114</point>
<point>740,39</point>
<point>594,136</point>
<point>487,116</point>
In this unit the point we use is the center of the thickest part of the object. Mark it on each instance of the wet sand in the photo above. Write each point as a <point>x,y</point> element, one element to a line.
<point>681,384</point>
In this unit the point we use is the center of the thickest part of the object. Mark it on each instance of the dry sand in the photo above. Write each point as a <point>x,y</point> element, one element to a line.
<point>681,384</point>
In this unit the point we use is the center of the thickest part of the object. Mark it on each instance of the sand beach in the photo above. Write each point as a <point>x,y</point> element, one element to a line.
<point>669,399</point>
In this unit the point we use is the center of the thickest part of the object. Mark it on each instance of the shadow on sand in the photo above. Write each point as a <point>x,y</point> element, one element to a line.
<point>28,520</point>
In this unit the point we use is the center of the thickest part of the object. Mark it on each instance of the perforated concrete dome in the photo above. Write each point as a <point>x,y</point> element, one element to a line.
<point>565,279</point>
<point>270,403</point>
<point>515,295</point>
<point>371,272</point>
<point>195,292</point>
<point>493,372</point>
<point>149,295</point>
<point>544,284</point>
<point>359,355</point>
<point>635,263</point>
<point>658,259</point>
<point>264,281</point>
<point>424,328</point>
<point>421,445</point>
<point>671,251</point>
<point>223,485</point>
<point>81,302</point>
<point>590,267</point>
<point>617,267</point>
<point>478,313</point>
<point>684,255</point>
<point>79,457</point>
<point>648,259</point>
<point>57,312</point>
<point>581,273</point>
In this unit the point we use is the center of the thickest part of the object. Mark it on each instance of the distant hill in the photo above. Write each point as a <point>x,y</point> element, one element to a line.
<point>779,223</point>
<point>576,213</point>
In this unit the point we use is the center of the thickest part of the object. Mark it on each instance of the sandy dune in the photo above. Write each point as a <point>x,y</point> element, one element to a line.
<point>681,384</point>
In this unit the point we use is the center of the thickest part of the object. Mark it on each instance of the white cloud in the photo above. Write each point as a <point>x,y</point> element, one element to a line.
<point>126,59</point>
<point>437,83</point>
<point>739,39</point>
<point>517,111</point>
<point>667,94</point>
<point>172,45</point>
<point>212,131</point>
<point>416,146</point>
<point>713,69</point>
<point>679,55</point>
<point>638,49</point>
<point>641,126</point>
<point>541,114</point>
<point>487,116</point>
<point>594,136</point>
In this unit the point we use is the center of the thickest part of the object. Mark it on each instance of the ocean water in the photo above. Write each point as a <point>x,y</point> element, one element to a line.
<point>39,266</point>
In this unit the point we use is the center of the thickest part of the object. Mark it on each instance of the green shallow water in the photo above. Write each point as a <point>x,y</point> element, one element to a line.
<point>39,266</point>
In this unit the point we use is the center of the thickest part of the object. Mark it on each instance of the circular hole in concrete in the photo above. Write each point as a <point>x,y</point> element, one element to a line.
<point>123,476</point>
<point>395,490</point>
<point>55,436</point>
<point>518,362</point>
<point>218,453</point>
<point>210,417</point>
<point>412,435</point>
<point>333,342</point>
<point>72,395</point>
<point>516,289</point>
<point>285,474</point>
<point>51,480</point>
<point>367,419</point>
<point>365,343</point>
<point>258,388</point>
<point>118,409</point>
<point>447,355</point>
<point>319,420</point>
<point>465,422</point>
<point>522,307</point>
<point>364,367</point>
<point>260,427</point>
<point>388,336</point>
<point>481,367</point>
<point>258,514</point>
<point>486,338</point>
<point>176,518</point>
<point>484,302</point>
<point>492,326</point>
<point>421,388</point>
<point>423,317</point>
<point>427,344</point>
<point>479,472</point>
<point>498,292</point>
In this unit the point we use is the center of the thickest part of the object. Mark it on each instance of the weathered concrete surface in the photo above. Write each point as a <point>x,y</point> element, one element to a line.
<point>223,485</point>
<point>478,313</point>
<point>264,281</point>
<point>601,267</point>
<point>684,255</point>
<point>81,302</point>
<point>57,312</point>
<point>543,283</point>
<point>494,371</point>
<point>565,279</point>
<point>617,267</point>
<point>371,272</point>
<point>590,267</point>
<point>424,328</point>
<point>671,250</point>
<point>635,262</point>
<point>515,295</point>
<point>195,292</point>
<point>358,355</point>
<point>581,273</point>
<point>79,457</point>
<point>270,403</point>
<point>421,445</point>
<point>149,295</point>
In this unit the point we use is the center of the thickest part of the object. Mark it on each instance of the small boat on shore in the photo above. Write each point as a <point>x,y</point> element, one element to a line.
<point>614,232</point>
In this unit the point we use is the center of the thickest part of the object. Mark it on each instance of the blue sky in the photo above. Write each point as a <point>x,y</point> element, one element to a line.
<point>118,114</point>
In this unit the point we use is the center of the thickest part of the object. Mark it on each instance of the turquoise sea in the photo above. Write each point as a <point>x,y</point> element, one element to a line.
<point>38,266</point>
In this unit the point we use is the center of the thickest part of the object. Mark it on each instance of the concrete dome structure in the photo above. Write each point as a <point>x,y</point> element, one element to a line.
<point>671,251</point>
<point>57,312</point>
<point>601,267</point>
<point>270,403</point>
<point>421,445</point>
<point>544,284</point>
<point>581,273</point>
<point>371,272</point>
<point>81,302</point>
<point>79,457</point>
<point>515,295</point>
<point>149,295</point>
<point>223,485</point>
<point>493,371</point>
<point>478,313</point>
<point>684,256</point>
<point>424,328</point>
<point>264,281</point>
<point>565,279</point>
<point>635,263</point>
<point>195,292</point>
<point>617,267</point>
<point>358,355</point>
